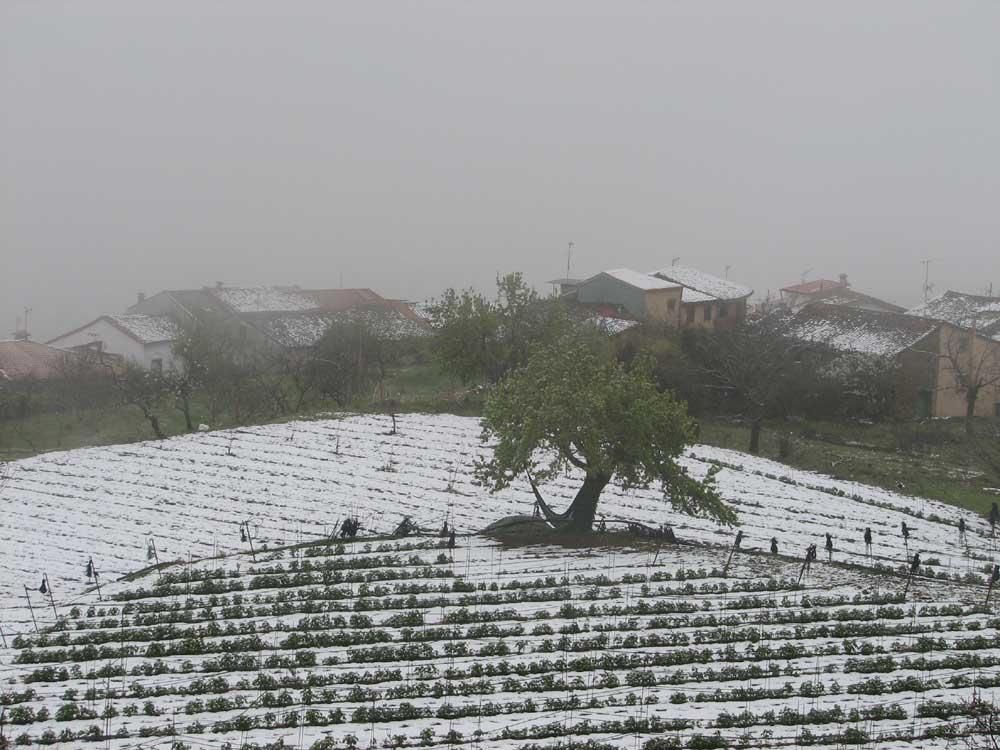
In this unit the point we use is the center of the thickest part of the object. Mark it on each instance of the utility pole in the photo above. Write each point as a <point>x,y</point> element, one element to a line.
<point>569,256</point>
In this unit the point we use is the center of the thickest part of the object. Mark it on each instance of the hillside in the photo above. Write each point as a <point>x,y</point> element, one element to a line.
<point>294,481</point>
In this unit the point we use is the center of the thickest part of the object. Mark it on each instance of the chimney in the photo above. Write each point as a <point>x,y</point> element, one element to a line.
<point>140,298</point>
<point>843,279</point>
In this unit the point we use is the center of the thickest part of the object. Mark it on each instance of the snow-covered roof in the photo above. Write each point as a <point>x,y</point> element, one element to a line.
<point>965,310</point>
<point>706,283</point>
<point>854,330</point>
<point>148,329</point>
<point>296,330</point>
<point>262,299</point>
<point>639,280</point>
<point>693,295</point>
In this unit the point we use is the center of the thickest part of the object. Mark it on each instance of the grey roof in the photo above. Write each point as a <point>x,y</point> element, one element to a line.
<point>706,283</point>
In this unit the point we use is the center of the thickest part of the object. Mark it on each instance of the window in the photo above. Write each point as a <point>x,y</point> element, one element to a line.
<point>708,312</point>
<point>156,365</point>
<point>723,311</point>
<point>690,314</point>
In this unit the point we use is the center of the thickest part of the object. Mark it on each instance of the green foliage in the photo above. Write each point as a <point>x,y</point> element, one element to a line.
<point>479,340</point>
<point>573,406</point>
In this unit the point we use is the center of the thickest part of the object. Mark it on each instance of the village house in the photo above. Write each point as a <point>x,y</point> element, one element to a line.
<point>929,355</point>
<point>707,301</point>
<point>286,318</point>
<point>833,293</point>
<point>678,296</point>
<point>973,311</point>
<point>144,340</point>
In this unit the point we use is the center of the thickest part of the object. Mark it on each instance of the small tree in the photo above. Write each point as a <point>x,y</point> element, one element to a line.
<point>144,390</point>
<point>350,361</point>
<point>573,406</point>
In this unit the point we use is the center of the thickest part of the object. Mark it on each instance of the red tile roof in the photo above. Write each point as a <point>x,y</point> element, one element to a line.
<point>23,359</point>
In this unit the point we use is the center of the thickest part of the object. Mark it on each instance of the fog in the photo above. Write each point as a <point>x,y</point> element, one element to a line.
<point>411,146</point>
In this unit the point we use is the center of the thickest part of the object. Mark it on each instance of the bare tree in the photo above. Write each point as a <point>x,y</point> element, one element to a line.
<point>142,389</point>
<point>974,365</point>
<point>756,364</point>
<point>982,729</point>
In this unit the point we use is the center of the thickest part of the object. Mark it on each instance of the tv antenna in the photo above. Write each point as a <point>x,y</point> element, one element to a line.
<point>569,257</point>
<point>673,261</point>
<point>804,274</point>
<point>727,271</point>
<point>928,286</point>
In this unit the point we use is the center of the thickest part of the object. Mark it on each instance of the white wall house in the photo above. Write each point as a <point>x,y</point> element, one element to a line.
<point>145,340</point>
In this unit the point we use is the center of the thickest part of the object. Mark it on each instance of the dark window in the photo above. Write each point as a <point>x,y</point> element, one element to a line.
<point>723,311</point>
<point>708,312</point>
<point>156,365</point>
<point>690,314</point>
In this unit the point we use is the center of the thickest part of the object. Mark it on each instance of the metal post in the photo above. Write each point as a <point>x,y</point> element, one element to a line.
<point>30,608</point>
<point>51,598</point>
<point>250,539</point>
<point>93,569</point>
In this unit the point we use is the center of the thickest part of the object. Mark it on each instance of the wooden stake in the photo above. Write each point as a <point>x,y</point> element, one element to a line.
<point>253,554</point>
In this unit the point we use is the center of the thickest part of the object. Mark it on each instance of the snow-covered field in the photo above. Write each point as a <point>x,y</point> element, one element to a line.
<point>407,643</point>
<point>294,481</point>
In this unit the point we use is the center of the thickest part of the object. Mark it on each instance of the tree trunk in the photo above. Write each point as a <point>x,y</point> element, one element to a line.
<point>154,422</point>
<point>755,426</point>
<point>186,411</point>
<point>581,512</point>
<point>970,408</point>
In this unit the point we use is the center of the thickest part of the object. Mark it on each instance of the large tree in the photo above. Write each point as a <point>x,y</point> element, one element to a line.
<point>573,406</point>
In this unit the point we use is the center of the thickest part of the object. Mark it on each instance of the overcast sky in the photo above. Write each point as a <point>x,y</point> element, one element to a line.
<point>411,146</point>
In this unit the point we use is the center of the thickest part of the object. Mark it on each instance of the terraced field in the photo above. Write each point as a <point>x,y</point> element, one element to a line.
<point>408,643</point>
<point>293,482</point>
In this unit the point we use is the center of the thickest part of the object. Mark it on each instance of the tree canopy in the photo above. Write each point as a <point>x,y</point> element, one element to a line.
<point>481,340</point>
<point>573,406</point>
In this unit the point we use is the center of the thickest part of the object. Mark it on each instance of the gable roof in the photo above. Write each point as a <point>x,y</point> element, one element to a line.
<point>706,283</point>
<point>964,310</point>
<point>146,329</point>
<point>30,359</point>
<point>815,286</point>
<point>636,279</point>
<point>852,329</point>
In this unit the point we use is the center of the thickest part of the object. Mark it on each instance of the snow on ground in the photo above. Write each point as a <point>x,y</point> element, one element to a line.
<point>410,643</point>
<point>293,482</point>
